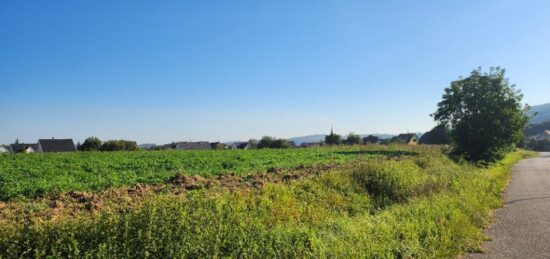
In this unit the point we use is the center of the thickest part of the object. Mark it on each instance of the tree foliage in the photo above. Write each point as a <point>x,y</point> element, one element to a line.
<point>119,145</point>
<point>333,139</point>
<point>439,135</point>
<point>271,142</point>
<point>90,144</point>
<point>485,114</point>
<point>353,139</point>
<point>371,139</point>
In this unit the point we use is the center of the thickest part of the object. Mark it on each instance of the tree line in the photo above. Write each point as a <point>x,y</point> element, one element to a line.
<point>95,144</point>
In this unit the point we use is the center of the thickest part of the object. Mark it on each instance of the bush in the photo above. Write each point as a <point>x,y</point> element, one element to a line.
<point>270,142</point>
<point>119,145</point>
<point>91,144</point>
<point>353,139</point>
<point>390,182</point>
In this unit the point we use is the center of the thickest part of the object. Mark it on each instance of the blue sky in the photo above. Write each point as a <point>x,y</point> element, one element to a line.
<point>158,71</point>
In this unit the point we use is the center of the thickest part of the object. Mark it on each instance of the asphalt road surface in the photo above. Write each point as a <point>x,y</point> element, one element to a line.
<point>521,228</point>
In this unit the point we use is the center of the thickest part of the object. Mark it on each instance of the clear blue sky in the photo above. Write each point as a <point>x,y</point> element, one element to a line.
<point>158,71</point>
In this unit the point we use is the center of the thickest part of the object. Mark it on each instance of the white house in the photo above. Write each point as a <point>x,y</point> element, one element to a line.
<point>4,149</point>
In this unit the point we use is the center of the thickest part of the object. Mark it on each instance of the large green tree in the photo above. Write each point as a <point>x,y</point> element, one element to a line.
<point>91,144</point>
<point>485,115</point>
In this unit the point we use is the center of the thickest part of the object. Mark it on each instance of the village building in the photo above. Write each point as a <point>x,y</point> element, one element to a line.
<point>56,145</point>
<point>408,139</point>
<point>240,145</point>
<point>218,145</point>
<point>371,139</point>
<point>5,149</point>
<point>25,148</point>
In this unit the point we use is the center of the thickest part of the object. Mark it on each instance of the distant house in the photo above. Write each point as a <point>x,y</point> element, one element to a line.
<point>25,148</point>
<point>218,145</point>
<point>408,138</point>
<point>5,149</point>
<point>310,145</point>
<point>169,146</point>
<point>202,145</point>
<point>240,145</point>
<point>371,139</point>
<point>56,145</point>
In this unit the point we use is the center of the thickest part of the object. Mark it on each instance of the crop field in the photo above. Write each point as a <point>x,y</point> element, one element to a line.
<point>387,201</point>
<point>32,175</point>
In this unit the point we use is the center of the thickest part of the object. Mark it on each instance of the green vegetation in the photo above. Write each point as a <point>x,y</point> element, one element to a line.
<point>353,139</point>
<point>485,114</point>
<point>119,145</point>
<point>406,202</point>
<point>90,144</point>
<point>32,175</point>
<point>271,142</point>
<point>439,135</point>
<point>333,139</point>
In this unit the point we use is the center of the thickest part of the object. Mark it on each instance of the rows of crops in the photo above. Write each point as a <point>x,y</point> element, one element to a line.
<point>31,175</point>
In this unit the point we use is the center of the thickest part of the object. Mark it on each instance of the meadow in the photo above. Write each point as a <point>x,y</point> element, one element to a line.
<point>396,201</point>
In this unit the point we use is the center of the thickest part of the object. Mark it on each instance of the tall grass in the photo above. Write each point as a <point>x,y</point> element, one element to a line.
<point>425,206</point>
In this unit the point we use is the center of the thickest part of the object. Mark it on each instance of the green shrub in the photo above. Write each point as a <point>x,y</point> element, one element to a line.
<point>390,181</point>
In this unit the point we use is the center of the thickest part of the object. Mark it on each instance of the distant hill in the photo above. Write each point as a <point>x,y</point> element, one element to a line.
<point>535,129</point>
<point>543,113</point>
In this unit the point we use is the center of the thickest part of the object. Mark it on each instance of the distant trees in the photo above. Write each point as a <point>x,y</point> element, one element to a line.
<point>119,145</point>
<point>95,144</point>
<point>371,139</point>
<point>353,139</point>
<point>90,144</point>
<point>485,114</point>
<point>333,139</point>
<point>271,142</point>
<point>439,135</point>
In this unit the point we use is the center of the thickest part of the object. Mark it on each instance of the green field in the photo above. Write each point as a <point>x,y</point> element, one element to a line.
<point>389,202</point>
<point>32,175</point>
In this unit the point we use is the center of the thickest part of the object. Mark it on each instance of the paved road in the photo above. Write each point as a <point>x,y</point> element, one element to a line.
<point>522,227</point>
